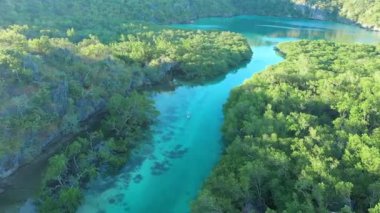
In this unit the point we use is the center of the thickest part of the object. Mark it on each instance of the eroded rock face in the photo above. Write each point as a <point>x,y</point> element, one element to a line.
<point>57,86</point>
<point>9,164</point>
<point>30,64</point>
<point>314,12</point>
<point>35,143</point>
<point>165,70</point>
<point>370,27</point>
<point>61,97</point>
<point>72,117</point>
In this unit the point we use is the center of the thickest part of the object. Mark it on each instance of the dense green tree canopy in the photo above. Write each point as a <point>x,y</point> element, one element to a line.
<point>302,136</point>
<point>68,62</point>
<point>51,87</point>
<point>49,84</point>
<point>365,12</point>
<point>105,17</point>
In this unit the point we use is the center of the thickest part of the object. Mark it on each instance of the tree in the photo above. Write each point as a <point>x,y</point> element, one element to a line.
<point>56,168</point>
<point>70,199</point>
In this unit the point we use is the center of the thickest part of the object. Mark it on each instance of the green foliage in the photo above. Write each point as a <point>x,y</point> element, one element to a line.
<point>52,84</point>
<point>366,12</point>
<point>102,151</point>
<point>57,166</point>
<point>70,198</point>
<point>215,53</point>
<point>68,201</point>
<point>375,209</point>
<point>95,72</point>
<point>99,14</point>
<point>106,19</point>
<point>75,61</point>
<point>302,136</point>
<point>129,116</point>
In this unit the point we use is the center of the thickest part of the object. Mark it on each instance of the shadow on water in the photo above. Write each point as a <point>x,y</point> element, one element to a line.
<point>171,83</point>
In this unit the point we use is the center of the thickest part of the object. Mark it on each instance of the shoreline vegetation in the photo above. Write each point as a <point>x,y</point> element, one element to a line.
<point>80,14</point>
<point>67,20</point>
<point>303,135</point>
<point>56,85</point>
<point>63,61</point>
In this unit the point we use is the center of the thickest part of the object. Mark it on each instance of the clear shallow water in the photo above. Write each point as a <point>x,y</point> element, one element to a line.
<point>167,173</point>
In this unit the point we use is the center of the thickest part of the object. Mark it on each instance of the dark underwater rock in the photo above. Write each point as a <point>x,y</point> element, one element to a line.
<point>138,178</point>
<point>159,168</point>
<point>116,198</point>
<point>177,152</point>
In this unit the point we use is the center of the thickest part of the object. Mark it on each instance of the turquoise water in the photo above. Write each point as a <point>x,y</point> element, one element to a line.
<point>166,174</point>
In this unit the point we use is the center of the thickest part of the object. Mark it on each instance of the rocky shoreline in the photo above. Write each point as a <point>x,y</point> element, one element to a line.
<point>10,165</point>
<point>316,13</point>
<point>308,12</point>
<point>91,111</point>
